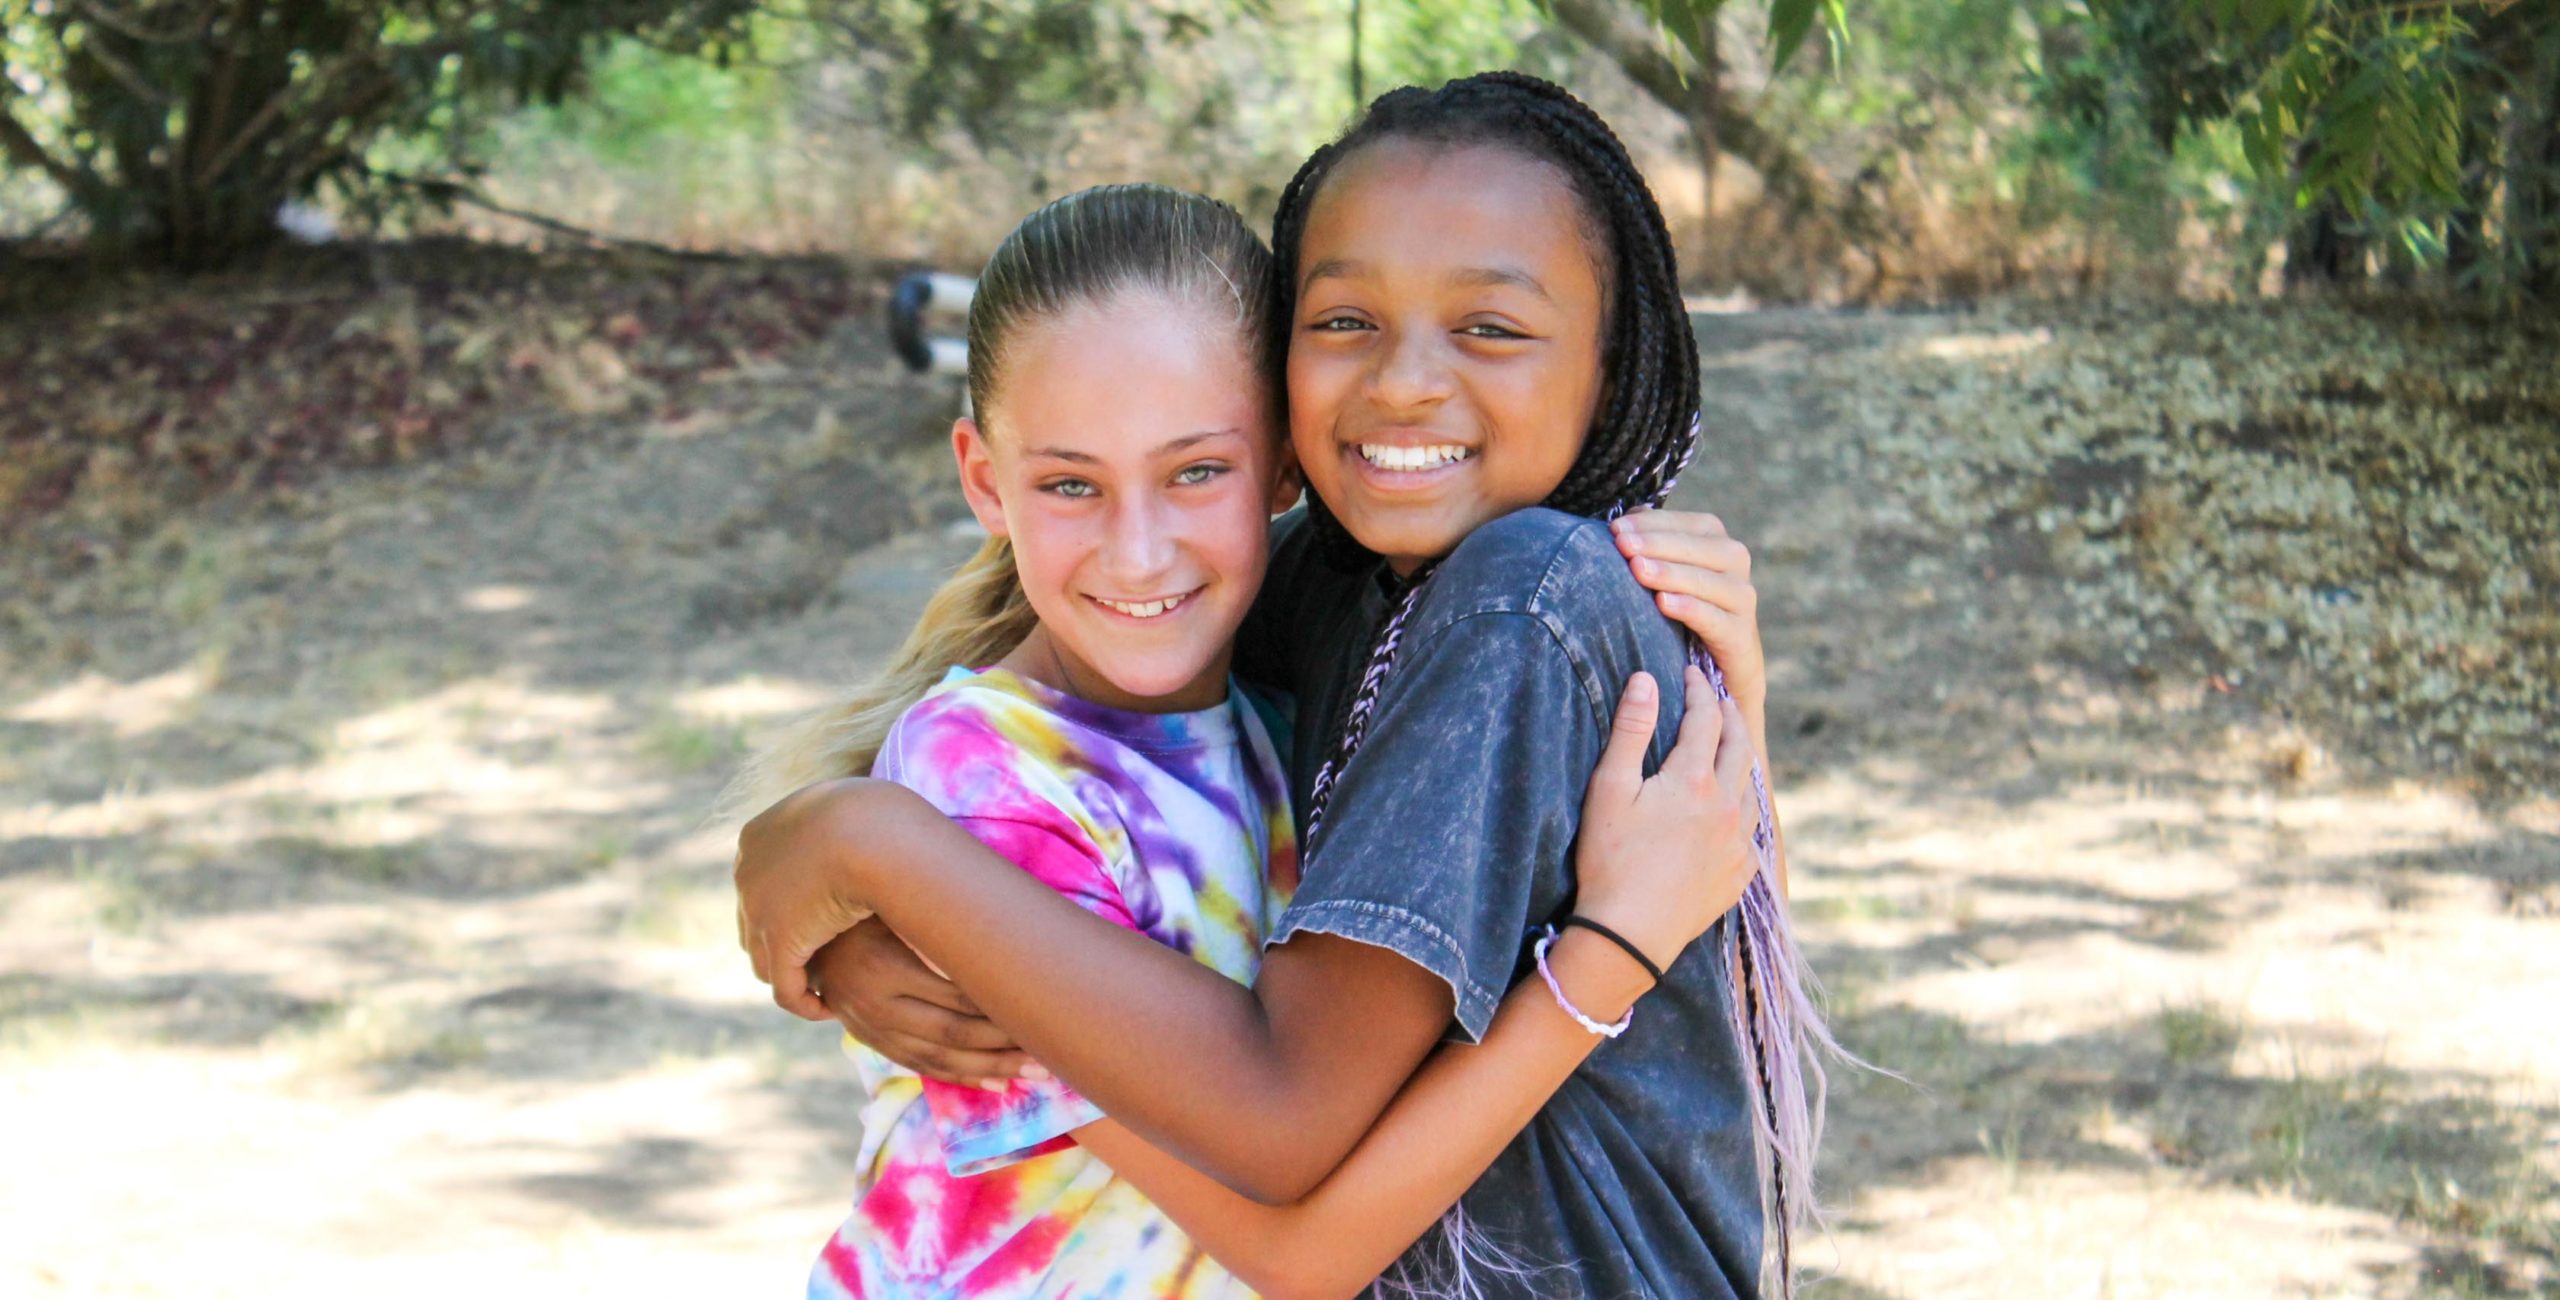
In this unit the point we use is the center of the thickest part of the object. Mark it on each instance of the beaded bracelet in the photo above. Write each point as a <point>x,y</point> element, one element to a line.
<point>1547,941</point>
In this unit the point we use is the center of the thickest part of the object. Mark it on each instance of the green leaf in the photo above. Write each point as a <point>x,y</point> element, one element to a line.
<point>1790,21</point>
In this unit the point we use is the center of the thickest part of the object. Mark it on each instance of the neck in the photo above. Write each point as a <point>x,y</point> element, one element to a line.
<point>1042,659</point>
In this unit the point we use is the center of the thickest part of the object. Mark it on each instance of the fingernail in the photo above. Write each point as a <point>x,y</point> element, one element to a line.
<point>991,1085</point>
<point>1035,1071</point>
<point>1640,686</point>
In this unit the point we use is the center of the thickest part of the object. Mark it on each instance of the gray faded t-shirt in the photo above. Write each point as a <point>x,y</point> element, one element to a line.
<point>1450,840</point>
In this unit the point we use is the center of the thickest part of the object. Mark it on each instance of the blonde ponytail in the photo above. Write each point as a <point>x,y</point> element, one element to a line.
<point>977,617</point>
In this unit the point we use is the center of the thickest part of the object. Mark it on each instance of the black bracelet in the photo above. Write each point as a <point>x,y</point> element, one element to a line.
<point>1619,939</point>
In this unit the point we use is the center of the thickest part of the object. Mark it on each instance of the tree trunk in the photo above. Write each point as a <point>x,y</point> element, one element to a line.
<point>1625,39</point>
<point>2323,248</point>
<point>1706,96</point>
<point>2533,179</point>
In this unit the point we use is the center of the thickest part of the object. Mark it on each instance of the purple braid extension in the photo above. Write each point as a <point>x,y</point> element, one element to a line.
<point>1473,1254</point>
<point>1364,702</point>
<point>1776,1019</point>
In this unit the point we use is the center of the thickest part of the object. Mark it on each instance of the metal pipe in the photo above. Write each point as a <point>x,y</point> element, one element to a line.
<point>921,295</point>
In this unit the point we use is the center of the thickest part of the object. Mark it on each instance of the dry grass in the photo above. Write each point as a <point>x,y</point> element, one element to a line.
<point>2338,514</point>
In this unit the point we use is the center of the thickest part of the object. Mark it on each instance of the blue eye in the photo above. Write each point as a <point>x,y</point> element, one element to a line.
<point>1074,489</point>
<point>1339,325</point>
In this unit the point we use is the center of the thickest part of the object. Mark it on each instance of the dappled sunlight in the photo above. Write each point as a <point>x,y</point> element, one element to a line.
<point>126,709</point>
<point>403,773</point>
<point>694,1177</point>
<point>499,599</point>
<point>2065,913</point>
<point>1977,347</point>
<point>748,699</point>
<point>1988,1226</point>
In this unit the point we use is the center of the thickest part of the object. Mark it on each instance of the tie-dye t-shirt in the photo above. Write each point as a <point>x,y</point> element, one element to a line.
<point>1172,824</point>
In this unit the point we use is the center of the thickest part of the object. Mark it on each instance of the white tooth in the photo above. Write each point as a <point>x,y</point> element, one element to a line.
<point>1151,609</point>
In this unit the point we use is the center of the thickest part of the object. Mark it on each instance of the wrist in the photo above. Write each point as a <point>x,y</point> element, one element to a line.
<point>850,819</point>
<point>1639,925</point>
<point>1600,980</point>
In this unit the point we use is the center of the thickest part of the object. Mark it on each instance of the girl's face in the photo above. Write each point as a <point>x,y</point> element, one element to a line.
<point>1135,466</point>
<point>1445,359</point>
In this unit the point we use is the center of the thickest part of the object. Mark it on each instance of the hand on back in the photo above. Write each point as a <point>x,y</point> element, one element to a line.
<point>891,1001</point>
<point>827,958</point>
<point>1701,579</point>
<point>1659,858</point>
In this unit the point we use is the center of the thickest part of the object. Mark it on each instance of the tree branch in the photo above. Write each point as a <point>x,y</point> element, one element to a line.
<point>97,52</point>
<point>107,17</point>
<point>25,150</point>
<point>454,191</point>
<point>1625,39</point>
<point>318,87</point>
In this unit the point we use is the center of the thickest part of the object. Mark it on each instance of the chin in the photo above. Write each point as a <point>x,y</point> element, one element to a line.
<point>1415,539</point>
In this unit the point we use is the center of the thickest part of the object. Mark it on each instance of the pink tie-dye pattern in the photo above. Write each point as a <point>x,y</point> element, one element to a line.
<point>1173,825</point>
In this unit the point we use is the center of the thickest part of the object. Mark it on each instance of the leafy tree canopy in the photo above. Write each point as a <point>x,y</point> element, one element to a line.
<point>178,127</point>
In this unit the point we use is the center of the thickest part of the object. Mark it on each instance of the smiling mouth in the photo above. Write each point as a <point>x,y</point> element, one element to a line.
<point>1143,609</point>
<point>1413,459</point>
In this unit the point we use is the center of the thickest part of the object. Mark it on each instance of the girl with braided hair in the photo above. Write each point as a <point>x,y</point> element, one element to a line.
<point>1486,359</point>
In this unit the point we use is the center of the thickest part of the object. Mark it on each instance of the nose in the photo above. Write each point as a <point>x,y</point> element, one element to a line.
<point>1139,543</point>
<point>1410,370</point>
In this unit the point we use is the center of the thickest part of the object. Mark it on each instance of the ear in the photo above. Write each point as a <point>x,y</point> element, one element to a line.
<point>978,474</point>
<point>1287,483</point>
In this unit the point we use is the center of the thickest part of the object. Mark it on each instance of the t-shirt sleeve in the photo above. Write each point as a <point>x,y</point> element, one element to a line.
<point>953,749</point>
<point>1451,831</point>
<point>983,1130</point>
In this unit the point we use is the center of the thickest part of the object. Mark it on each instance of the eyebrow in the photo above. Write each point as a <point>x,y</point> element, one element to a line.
<point>1473,277</point>
<point>1087,458</point>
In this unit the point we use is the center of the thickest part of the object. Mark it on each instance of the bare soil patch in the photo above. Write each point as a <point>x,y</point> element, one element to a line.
<point>359,925</point>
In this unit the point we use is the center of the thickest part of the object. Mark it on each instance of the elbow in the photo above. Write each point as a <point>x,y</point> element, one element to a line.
<point>1275,1166</point>
<point>1299,1279</point>
<point>1274,1183</point>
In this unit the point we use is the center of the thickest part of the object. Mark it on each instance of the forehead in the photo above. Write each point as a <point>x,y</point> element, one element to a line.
<point>1136,368</point>
<point>1410,203</point>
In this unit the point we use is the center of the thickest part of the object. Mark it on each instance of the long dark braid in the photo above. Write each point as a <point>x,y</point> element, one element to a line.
<point>1645,427</point>
<point>1643,434</point>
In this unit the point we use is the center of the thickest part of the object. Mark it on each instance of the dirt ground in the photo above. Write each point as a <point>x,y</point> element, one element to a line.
<point>361,927</point>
